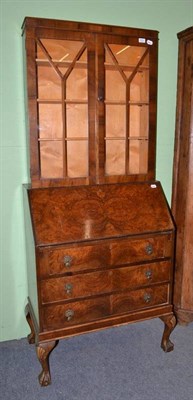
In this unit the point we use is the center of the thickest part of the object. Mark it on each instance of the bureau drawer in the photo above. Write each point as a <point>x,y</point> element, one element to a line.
<point>57,261</point>
<point>106,281</point>
<point>71,259</point>
<point>75,313</point>
<point>140,299</point>
<point>136,250</point>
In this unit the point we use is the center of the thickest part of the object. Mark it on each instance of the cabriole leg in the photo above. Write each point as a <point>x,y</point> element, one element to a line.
<point>43,352</point>
<point>31,336</point>
<point>170,323</point>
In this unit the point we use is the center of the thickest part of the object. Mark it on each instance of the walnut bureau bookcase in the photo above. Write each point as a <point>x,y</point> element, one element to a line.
<point>99,234</point>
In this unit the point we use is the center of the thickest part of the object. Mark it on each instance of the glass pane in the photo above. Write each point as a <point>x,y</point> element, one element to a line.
<point>51,159</point>
<point>139,91</point>
<point>77,120</point>
<point>77,85</point>
<point>115,157</point>
<point>49,84</point>
<point>50,121</point>
<point>115,87</point>
<point>77,158</point>
<point>115,121</point>
<point>138,156</point>
<point>126,80</point>
<point>139,117</point>
<point>62,52</point>
<point>126,54</point>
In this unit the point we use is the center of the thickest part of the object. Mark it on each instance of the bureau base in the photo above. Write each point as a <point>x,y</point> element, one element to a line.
<point>46,341</point>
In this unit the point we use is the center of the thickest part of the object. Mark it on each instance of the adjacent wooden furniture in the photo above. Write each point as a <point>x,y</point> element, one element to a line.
<point>99,234</point>
<point>182,197</point>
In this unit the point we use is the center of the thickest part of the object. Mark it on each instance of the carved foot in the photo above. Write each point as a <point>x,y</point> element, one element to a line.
<point>170,323</point>
<point>43,352</point>
<point>31,336</point>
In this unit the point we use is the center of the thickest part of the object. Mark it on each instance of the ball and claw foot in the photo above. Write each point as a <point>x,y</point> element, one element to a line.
<point>167,346</point>
<point>44,378</point>
<point>43,352</point>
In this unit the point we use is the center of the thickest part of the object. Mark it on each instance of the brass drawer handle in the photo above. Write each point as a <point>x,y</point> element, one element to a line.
<point>147,297</point>
<point>148,274</point>
<point>67,261</point>
<point>149,249</point>
<point>68,288</point>
<point>69,314</point>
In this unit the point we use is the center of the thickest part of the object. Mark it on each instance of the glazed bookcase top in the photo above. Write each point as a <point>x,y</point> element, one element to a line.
<point>92,93</point>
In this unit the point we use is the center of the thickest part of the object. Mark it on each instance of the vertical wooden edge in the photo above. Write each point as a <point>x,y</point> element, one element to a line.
<point>179,102</point>
<point>100,108</point>
<point>91,108</point>
<point>153,73</point>
<point>31,87</point>
<point>182,172</point>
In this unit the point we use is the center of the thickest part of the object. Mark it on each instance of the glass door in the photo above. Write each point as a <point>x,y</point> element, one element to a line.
<point>124,100</point>
<point>62,85</point>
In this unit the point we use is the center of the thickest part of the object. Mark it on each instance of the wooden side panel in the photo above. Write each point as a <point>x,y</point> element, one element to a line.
<point>182,193</point>
<point>31,259</point>
<point>187,298</point>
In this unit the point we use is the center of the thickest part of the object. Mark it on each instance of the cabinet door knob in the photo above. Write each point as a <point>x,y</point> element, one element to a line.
<point>67,261</point>
<point>69,314</point>
<point>68,288</point>
<point>147,297</point>
<point>149,249</point>
<point>148,274</point>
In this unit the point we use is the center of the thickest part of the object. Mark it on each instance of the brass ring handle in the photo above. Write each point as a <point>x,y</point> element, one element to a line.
<point>147,297</point>
<point>68,288</point>
<point>69,314</point>
<point>149,249</point>
<point>67,261</point>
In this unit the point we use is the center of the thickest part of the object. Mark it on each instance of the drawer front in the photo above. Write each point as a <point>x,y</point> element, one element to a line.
<point>106,281</point>
<point>65,288</point>
<point>141,275</point>
<point>140,299</point>
<point>131,251</point>
<point>114,253</point>
<point>61,316</point>
<point>74,313</point>
<point>64,260</point>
